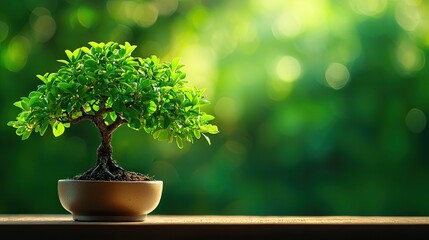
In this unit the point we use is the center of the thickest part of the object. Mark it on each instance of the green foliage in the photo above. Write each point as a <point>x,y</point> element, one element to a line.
<point>105,82</point>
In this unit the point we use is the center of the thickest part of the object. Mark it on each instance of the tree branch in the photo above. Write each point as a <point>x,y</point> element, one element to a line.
<point>84,116</point>
<point>104,110</point>
<point>118,122</point>
<point>81,118</point>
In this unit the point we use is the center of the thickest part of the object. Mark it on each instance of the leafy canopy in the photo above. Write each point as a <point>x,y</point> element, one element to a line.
<point>106,82</point>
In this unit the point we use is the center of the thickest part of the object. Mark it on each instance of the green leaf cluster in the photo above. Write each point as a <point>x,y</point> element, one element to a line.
<point>104,81</point>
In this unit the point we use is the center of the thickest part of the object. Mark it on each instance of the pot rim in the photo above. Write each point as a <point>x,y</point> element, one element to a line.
<point>105,181</point>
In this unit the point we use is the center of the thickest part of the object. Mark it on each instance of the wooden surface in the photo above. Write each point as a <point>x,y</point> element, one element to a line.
<point>229,220</point>
<point>217,227</point>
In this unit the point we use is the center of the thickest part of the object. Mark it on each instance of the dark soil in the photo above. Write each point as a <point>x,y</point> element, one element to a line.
<point>111,172</point>
<point>122,176</point>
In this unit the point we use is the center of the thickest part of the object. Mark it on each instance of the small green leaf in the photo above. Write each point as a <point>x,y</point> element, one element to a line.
<point>189,96</point>
<point>113,116</point>
<point>131,113</point>
<point>144,83</point>
<point>209,128</point>
<point>64,86</point>
<point>182,74</point>
<point>121,52</point>
<point>179,142</point>
<point>58,129</point>
<point>203,102</point>
<point>25,106</point>
<point>175,64</point>
<point>197,134</point>
<point>43,128</point>
<point>76,53</point>
<point>93,44</point>
<point>35,102</point>
<point>129,48</point>
<point>207,139</point>
<point>26,135</point>
<point>119,106</point>
<point>35,94</point>
<point>90,64</point>
<point>156,134</point>
<point>62,61</point>
<point>85,50</point>
<point>19,131</point>
<point>82,79</point>
<point>43,78</point>
<point>206,117</point>
<point>135,123</point>
<point>69,54</point>
<point>163,135</point>
<point>18,104</point>
<point>152,107</point>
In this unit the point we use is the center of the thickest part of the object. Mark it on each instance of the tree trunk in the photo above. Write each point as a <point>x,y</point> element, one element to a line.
<point>106,168</point>
<point>104,151</point>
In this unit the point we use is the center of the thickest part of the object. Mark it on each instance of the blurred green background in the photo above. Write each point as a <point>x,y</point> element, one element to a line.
<point>321,105</point>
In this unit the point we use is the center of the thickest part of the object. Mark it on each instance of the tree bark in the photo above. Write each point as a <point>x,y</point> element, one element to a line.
<point>104,151</point>
<point>106,167</point>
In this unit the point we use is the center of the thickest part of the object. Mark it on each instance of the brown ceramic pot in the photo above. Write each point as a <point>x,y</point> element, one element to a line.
<point>109,200</point>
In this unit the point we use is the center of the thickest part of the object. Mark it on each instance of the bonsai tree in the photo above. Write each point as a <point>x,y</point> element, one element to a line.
<point>106,85</point>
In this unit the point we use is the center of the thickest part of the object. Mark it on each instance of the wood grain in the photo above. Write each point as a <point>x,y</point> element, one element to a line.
<point>219,219</point>
<point>218,227</point>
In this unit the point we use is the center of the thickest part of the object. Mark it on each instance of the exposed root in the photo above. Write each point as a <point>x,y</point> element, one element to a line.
<point>111,172</point>
<point>107,169</point>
